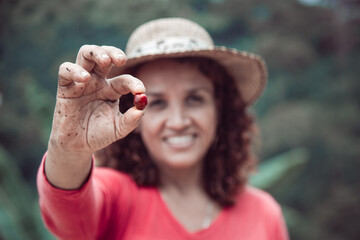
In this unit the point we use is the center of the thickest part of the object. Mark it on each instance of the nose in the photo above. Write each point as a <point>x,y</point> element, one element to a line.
<point>178,118</point>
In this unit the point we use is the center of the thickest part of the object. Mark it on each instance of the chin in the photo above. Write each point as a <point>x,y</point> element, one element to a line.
<point>182,162</point>
<point>181,165</point>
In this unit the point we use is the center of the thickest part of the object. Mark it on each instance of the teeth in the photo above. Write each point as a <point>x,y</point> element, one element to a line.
<point>180,139</point>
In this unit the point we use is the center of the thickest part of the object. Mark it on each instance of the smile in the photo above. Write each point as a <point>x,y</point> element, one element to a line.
<point>180,141</point>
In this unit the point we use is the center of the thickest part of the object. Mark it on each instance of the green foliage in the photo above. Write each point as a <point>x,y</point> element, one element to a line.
<point>280,168</point>
<point>311,101</point>
<point>19,211</point>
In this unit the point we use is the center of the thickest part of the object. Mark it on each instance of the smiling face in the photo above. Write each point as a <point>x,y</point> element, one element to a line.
<point>180,120</point>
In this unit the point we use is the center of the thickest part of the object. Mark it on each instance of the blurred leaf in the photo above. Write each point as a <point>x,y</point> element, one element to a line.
<point>279,168</point>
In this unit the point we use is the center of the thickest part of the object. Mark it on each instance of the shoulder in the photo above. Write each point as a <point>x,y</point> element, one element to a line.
<point>112,178</point>
<point>110,173</point>
<point>116,188</point>
<point>114,184</point>
<point>256,194</point>
<point>257,200</point>
<point>261,212</point>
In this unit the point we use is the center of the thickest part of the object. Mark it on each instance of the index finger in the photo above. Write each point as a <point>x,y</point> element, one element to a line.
<point>127,83</point>
<point>122,85</point>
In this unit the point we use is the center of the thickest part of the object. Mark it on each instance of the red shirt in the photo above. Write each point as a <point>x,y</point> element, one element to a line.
<point>111,206</point>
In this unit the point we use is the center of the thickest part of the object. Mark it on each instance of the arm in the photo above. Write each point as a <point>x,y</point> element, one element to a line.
<point>87,116</point>
<point>100,209</point>
<point>86,119</point>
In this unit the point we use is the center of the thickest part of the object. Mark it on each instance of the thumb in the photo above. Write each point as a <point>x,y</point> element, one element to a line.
<point>127,122</point>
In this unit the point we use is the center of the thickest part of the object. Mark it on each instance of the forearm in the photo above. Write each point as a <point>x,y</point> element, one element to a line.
<point>67,170</point>
<point>69,214</point>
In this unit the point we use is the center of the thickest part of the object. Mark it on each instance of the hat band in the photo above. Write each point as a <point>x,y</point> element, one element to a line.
<point>169,45</point>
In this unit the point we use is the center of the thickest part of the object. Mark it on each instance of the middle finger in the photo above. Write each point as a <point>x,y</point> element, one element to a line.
<point>90,56</point>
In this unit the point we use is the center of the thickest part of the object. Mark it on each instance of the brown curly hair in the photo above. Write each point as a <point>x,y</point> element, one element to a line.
<point>229,160</point>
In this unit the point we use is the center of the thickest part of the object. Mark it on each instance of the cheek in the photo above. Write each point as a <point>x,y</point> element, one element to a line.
<point>146,135</point>
<point>212,124</point>
<point>207,120</point>
<point>149,127</point>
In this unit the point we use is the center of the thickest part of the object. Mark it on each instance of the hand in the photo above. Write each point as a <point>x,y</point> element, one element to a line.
<point>87,116</point>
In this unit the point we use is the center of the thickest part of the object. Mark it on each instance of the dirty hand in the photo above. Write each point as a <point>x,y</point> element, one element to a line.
<point>87,116</point>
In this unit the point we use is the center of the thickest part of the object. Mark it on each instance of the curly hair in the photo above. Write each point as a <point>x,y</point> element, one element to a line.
<point>229,160</point>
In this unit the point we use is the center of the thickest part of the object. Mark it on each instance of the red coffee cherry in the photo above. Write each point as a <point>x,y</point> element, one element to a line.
<point>140,101</point>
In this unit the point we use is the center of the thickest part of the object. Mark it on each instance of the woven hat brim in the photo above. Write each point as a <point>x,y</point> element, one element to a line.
<point>248,70</point>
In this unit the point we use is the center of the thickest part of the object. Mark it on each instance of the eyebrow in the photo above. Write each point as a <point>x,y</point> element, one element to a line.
<point>201,89</point>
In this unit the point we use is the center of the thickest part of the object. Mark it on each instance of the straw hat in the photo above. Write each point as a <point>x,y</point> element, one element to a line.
<point>177,37</point>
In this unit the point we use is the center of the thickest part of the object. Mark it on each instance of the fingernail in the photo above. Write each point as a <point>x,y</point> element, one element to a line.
<point>119,56</point>
<point>140,87</point>
<point>84,74</point>
<point>104,56</point>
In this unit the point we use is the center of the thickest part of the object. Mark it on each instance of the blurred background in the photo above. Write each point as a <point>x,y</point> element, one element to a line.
<point>309,114</point>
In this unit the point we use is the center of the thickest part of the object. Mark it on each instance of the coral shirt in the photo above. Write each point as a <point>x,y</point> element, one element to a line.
<point>111,206</point>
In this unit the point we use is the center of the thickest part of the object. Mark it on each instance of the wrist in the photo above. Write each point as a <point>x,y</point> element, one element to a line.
<point>67,169</point>
<point>56,148</point>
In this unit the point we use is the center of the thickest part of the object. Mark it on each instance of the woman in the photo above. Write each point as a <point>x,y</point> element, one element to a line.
<point>181,167</point>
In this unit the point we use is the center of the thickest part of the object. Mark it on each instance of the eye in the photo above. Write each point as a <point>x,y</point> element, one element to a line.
<point>194,99</point>
<point>157,103</point>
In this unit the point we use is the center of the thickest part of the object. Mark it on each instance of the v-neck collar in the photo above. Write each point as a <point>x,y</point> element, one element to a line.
<point>200,234</point>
